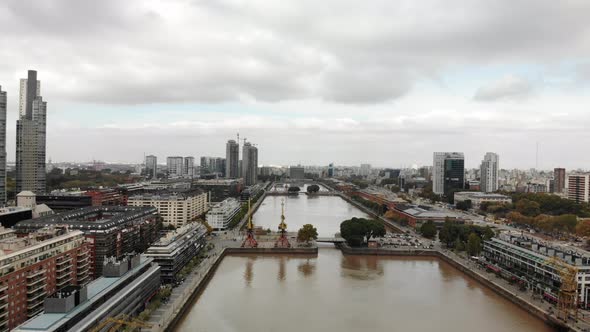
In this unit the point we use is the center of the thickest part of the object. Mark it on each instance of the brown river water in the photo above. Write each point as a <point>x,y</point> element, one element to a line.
<point>333,292</point>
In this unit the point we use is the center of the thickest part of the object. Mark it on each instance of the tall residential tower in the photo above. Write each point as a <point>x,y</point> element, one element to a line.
<point>489,172</point>
<point>232,157</point>
<point>249,164</point>
<point>2,147</point>
<point>151,166</point>
<point>31,136</point>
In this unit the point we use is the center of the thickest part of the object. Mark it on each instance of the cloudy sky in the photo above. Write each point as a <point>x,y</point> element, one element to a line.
<point>311,82</point>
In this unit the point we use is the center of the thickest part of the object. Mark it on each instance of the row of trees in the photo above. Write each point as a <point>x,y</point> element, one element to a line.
<point>379,209</point>
<point>565,223</point>
<point>464,237</point>
<point>358,231</point>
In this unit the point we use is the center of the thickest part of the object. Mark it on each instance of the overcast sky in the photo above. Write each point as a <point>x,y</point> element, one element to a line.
<point>311,82</point>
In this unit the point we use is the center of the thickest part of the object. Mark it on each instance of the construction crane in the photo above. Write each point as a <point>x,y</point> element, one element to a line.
<point>118,322</point>
<point>567,300</point>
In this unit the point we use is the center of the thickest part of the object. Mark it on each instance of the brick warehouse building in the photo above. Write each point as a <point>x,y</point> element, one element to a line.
<point>110,230</point>
<point>34,266</point>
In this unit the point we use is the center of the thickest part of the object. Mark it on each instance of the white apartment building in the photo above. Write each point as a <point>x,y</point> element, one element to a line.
<point>220,214</point>
<point>489,172</point>
<point>175,166</point>
<point>176,209</point>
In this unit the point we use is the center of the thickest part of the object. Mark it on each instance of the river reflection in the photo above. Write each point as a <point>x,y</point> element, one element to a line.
<point>332,292</point>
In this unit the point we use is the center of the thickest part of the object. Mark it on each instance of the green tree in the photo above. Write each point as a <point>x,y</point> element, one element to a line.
<point>314,188</point>
<point>307,233</point>
<point>356,230</point>
<point>464,205</point>
<point>428,229</point>
<point>294,189</point>
<point>488,233</point>
<point>473,244</point>
<point>459,245</point>
<point>528,208</point>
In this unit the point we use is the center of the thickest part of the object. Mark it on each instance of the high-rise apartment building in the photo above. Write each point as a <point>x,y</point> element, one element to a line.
<point>365,169</point>
<point>175,166</point>
<point>189,166</point>
<point>31,137</point>
<point>249,164</point>
<point>489,172</point>
<point>558,180</point>
<point>232,157</point>
<point>151,166</point>
<point>578,187</point>
<point>448,172</point>
<point>2,147</point>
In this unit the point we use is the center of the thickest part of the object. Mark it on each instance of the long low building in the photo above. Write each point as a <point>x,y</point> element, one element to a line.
<point>128,285</point>
<point>477,198</point>
<point>222,213</point>
<point>526,258</point>
<point>416,215</point>
<point>173,251</point>
<point>175,208</point>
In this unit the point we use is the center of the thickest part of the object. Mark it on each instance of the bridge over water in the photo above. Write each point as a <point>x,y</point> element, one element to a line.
<point>334,240</point>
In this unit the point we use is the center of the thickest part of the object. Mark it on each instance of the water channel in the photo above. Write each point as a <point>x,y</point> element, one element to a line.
<point>333,292</point>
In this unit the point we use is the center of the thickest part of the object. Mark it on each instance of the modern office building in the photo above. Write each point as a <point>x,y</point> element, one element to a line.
<point>331,170</point>
<point>297,172</point>
<point>558,180</point>
<point>31,137</point>
<point>232,156</point>
<point>125,290</point>
<point>578,187</point>
<point>489,171</point>
<point>109,230</point>
<point>175,166</point>
<point>176,208</point>
<point>448,172</point>
<point>173,251</point>
<point>36,265</point>
<point>221,214</point>
<point>151,166</point>
<point>249,164</point>
<point>477,198</point>
<point>2,147</point>
<point>10,215</point>
<point>526,258</point>
<point>189,167</point>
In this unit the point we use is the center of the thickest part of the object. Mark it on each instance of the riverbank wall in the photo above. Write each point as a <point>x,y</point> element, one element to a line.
<point>511,296</point>
<point>274,251</point>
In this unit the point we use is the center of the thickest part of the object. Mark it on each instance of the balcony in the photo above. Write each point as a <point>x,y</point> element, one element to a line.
<point>64,282</point>
<point>37,273</point>
<point>3,288</point>
<point>65,268</point>
<point>3,297</point>
<point>32,283</point>
<point>82,253</point>
<point>34,312</point>
<point>63,260</point>
<point>83,265</point>
<point>36,297</point>
<point>33,289</point>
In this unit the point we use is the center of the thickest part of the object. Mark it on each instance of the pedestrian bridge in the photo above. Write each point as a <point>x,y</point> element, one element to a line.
<point>330,240</point>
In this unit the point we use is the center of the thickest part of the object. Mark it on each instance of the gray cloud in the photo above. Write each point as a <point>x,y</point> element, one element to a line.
<point>509,87</point>
<point>127,52</point>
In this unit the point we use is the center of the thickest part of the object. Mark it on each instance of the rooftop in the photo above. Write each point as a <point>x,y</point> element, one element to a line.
<point>90,217</point>
<point>96,290</point>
